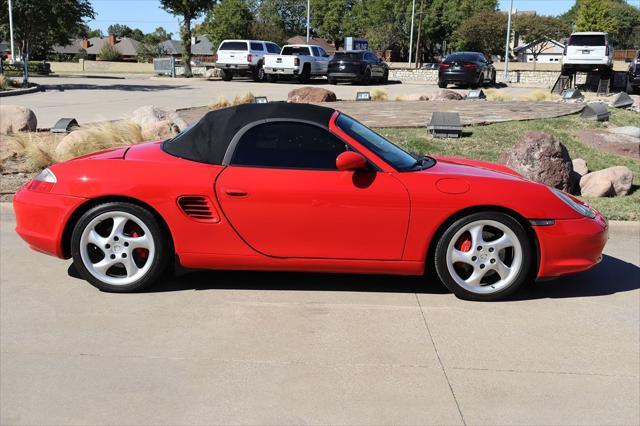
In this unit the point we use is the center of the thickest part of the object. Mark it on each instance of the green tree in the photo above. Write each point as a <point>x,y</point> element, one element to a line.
<point>119,30</point>
<point>333,19</point>
<point>227,20</point>
<point>40,24</point>
<point>385,23</point>
<point>188,10</point>
<point>85,32</point>
<point>483,32</point>
<point>627,34</point>
<point>289,15</point>
<point>539,30</point>
<point>109,53</point>
<point>157,36</point>
<point>595,15</point>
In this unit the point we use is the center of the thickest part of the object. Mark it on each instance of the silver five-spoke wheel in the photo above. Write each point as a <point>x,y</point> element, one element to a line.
<point>120,247</point>
<point>484,256</point>
<point>117,248</point>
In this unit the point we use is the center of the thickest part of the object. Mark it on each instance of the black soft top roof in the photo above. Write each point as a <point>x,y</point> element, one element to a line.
<point>208,139</point>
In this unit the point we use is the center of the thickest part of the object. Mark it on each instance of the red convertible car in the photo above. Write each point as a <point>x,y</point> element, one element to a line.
<point>294,187</point>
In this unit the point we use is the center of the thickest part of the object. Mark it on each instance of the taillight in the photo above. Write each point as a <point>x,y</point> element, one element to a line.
<point>296,61</point>
<point>249,58</point>
<point>469,66</point>
<point>444,66</point>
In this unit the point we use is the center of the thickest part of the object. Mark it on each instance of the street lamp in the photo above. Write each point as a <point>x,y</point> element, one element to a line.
<point>11,31</point>
<point>506,47</point>
<point>308,16</point>
<point>413,13</point>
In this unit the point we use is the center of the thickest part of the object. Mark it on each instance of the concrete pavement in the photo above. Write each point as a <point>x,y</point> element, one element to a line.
<point>96,99</point>
<point>278,348</point>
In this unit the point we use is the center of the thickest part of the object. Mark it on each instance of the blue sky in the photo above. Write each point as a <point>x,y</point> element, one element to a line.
<point>147,14</point>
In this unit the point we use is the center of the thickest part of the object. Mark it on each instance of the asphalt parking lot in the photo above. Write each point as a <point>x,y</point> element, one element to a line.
<point>282,348</point>
<point>90,99</point>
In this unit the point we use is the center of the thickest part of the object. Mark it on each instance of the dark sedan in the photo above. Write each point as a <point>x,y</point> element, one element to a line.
<point>357,66</point>
<point>466,68</point>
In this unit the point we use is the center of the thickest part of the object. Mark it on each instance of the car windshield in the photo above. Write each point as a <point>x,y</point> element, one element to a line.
<point>586,40</point>
<point>233,45</point>
<point>461,57</point>
<point>396,157</point>
<point>295,50</point>
<point>348,55</point>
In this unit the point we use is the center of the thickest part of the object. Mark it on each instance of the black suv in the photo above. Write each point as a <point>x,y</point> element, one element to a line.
<point>357,66</point>
<point>466,68</point>
<point>634,73</point>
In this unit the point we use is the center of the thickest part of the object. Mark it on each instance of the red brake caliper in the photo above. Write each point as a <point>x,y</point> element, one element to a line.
<point>464,243</point>
<point>141,252</point>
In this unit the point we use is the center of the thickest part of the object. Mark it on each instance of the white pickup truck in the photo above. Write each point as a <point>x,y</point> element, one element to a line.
<point>243,57</point>
<point>586,52</point>
<point>300,61</point>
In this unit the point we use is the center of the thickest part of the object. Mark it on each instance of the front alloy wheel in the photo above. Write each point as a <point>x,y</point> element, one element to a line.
<point>484,256</point>
<point>119,247</point>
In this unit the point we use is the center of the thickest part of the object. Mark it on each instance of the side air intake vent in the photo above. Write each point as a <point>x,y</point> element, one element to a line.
<point>198,208</point>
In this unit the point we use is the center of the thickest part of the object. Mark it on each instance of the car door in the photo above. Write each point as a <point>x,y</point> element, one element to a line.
<point>284,196</point>
<point>323,60</point>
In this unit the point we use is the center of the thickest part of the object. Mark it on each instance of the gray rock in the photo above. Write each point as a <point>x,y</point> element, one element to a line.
<point>14,118</point>
<point>615,180</point>
<point>311,94</point>
<point>626,130</point>
<point>150,117</point>
<point>540,157</point>
<point>580,166</point>
<point>447,95</point>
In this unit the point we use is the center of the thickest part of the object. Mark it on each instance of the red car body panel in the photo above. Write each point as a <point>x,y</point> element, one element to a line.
<point>299,220</point>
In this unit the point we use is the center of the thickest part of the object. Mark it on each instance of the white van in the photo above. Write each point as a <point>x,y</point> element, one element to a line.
<point>243,57</point>
<point>586,52</point>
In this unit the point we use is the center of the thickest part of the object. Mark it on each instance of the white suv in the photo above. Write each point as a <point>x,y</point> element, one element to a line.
<point>243,57</point>
<point>586,52</point>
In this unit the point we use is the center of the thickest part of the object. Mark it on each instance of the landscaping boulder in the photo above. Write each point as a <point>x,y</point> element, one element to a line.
<point>447,95</point>
<point>157,122</point>
<point>14,118</point>
<point>305,95</point>
<point>615,180</point>
<point>580,166</point>
<point>412,97</point>
<point>631,131</point>
<point>211,73</point>
<point>542,158</point>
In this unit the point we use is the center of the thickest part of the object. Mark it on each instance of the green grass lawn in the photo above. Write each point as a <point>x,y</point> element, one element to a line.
<point>491,141</point>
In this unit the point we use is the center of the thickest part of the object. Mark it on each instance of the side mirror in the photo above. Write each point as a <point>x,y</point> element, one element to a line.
<point>350,160</point>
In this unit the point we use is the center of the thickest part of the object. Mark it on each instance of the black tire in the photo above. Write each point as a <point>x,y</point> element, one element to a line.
<point>366,77</point>
<point>385,77</point>
<point>442,84</point>
<point>493,79</point>
<point>523,275</point>
<point>331,81</point>
<point>160,261</point>
<point>257,74</point>
<point>226,75</point>
<point>273,78</point>
<point>305,75</point>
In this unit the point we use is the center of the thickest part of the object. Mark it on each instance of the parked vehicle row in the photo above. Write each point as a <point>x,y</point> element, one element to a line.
<point>265,60</point>
<point>466,68</point>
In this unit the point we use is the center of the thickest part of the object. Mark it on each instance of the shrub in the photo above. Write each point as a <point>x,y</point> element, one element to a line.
<point>497,95</point>
<point>35,150</point>
<point>98,137</point>
<point>247,98</point>
<point>221,102</point>
<point>109,53</point>
<point>379,95</point>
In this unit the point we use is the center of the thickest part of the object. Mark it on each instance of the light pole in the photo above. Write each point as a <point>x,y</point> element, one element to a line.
<point>308,16</point>
<point>413,12</point>
<point>506,47</point>
<point>11,31</point>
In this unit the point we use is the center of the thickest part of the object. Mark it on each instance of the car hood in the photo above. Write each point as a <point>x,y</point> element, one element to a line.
<point>476,167</point>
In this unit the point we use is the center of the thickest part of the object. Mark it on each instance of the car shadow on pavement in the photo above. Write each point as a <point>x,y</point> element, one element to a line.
<point>611,276</point>
<point>124,87</point>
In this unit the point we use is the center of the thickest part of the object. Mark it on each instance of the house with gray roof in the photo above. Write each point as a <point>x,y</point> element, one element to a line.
<point>127,47</point>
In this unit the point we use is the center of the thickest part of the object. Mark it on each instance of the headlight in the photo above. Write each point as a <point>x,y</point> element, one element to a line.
<point>43,182</point>
<point>585,211</point>
<point>46,176</point>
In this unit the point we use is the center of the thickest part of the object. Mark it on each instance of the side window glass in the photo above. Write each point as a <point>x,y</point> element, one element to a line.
<point>272,48</point>
<point>323,52</point>
<point>257,46</point>
<point>288,145</point>
<point>316,51</point>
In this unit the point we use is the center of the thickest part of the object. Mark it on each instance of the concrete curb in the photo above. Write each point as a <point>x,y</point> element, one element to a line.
<point>17,92</point>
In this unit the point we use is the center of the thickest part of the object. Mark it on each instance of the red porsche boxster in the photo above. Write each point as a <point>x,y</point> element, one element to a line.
<point>295,187</point>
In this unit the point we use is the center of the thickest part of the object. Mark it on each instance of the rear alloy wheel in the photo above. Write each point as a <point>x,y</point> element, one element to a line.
<point>305,75</point>
<point>366,79</point>
<point>484,256</point>
<point>442,84</point>
<point>258,74</point>
<point>119,247</point>
<point>385,77</point>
